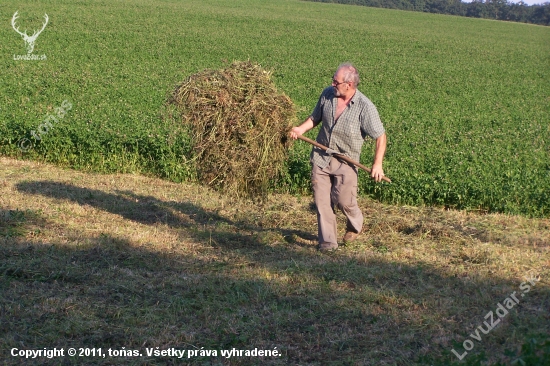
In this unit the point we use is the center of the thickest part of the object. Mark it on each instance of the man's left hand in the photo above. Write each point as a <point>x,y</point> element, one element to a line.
<point>377,172</point>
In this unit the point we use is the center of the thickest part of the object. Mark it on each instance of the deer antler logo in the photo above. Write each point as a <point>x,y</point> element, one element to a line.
<point>29,40</point>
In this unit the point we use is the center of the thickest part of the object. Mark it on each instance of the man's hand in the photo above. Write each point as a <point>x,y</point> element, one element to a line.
<point>377,172</point>
<point>295,132</point>
<point>300,130</point>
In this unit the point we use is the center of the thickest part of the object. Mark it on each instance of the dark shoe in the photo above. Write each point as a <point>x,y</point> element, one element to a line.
<point>350,236</point>
<point>327,246</point>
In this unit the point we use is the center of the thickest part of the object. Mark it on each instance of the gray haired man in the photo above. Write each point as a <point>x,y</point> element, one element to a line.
<point>347,117</point>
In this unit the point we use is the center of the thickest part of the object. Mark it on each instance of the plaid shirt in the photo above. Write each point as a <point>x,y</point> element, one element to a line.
<point>347,134</point>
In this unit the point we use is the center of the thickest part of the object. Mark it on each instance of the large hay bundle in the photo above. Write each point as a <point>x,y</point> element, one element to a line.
<point>239,124</point>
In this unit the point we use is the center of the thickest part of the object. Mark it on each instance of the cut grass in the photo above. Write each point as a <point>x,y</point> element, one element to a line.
<point>116,261</point>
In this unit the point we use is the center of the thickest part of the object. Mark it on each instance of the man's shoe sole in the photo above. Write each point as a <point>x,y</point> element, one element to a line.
<point>325,247</point>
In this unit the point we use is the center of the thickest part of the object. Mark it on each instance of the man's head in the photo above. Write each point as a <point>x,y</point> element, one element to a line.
<point>345,80</point>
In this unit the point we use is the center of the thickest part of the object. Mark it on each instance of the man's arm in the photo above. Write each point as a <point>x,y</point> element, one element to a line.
<point>303,128</point>
<point>377,172</point>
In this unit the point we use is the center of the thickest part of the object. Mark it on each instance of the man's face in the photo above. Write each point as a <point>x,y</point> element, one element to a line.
<point>339,85</point>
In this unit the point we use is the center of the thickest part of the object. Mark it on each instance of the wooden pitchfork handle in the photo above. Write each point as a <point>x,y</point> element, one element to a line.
<point>340,156</point>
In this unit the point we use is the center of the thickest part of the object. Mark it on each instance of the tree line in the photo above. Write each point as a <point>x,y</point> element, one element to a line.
<point>490,9</point>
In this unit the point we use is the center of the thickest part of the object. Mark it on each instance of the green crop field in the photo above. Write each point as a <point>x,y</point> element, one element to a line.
<point>466,102</point>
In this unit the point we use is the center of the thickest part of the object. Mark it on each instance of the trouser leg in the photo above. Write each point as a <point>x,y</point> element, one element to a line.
<point>344,196</point>
<point>326,219</point>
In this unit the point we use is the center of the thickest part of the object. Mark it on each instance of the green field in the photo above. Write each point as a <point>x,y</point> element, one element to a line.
<point>466,102</point>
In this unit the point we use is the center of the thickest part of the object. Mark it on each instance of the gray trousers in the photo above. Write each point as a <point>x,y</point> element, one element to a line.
<point>335,186</point>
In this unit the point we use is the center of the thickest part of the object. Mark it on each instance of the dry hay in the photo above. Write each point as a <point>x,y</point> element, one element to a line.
<point>239,124</point>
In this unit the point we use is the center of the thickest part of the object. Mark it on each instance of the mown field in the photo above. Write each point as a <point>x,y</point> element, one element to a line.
<point>465,101</point>
<point>127,262</point>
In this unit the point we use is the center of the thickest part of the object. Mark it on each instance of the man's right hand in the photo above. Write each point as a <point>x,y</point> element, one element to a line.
<point>295,132</point>
<point>300,130</point>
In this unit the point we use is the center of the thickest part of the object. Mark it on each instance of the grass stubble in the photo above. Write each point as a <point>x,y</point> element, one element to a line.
<point>116,261</point>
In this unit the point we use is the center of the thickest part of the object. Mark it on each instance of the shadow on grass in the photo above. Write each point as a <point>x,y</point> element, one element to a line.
<point>317,309</point>
<point>145,209</point>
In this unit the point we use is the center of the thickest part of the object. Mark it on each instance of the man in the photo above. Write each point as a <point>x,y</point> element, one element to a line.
<point>347,117</point>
